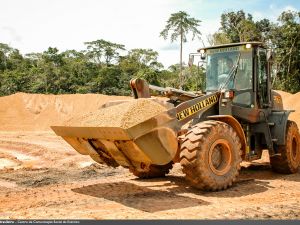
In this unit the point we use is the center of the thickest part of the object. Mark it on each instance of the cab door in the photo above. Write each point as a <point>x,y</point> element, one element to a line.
<point>263,94</point>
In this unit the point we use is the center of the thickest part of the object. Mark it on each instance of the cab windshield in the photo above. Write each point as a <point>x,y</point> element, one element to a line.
<point>221,63</point>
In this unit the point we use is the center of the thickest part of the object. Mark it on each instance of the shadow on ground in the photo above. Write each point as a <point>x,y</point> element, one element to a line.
<point>173,192</point>
<point>243,187</point>
<point>140,197</point>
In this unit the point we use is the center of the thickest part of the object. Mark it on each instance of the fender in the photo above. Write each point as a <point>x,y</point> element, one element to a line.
<point>230,120</point>
<point>279,118</point>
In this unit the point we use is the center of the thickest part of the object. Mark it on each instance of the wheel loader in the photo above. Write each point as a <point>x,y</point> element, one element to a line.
<point>209,133</point>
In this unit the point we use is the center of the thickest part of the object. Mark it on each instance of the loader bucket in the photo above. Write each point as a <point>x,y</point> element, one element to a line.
<point>153,141</point>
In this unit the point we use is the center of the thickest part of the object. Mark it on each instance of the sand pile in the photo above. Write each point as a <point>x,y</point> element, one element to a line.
<point>124,115</point>
<point>284,95</point>
<point>37,112</point>
<point>291,101</point>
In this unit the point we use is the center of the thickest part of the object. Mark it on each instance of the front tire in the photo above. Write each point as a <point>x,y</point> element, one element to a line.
<point>211,155</point>
<point>289,159</point>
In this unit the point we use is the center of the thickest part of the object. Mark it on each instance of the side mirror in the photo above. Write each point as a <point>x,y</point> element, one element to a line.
<point>191,60</point>
<point>203,56</point>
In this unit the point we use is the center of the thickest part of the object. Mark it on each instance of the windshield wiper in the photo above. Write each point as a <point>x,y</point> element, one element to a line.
<point>231,74</point>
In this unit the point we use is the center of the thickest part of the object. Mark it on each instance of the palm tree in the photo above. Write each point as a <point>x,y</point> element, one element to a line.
<point>179,25</point>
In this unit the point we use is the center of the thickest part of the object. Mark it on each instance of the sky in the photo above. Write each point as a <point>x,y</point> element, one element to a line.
<point>34,25</point>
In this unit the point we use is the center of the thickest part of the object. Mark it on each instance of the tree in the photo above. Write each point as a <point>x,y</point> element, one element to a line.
<point>101,69</point>
<point>142,63</point>
<point>144,58</point>
<point>179,25</point>
<point>286,40</point>
<point>100,50</point>
<point>218,38</point>
<point>265,27</point>
<point>238,27</point>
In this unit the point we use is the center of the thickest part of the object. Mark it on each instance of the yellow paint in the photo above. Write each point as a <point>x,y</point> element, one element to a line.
<point>197,107</point>
<point>228,49</point>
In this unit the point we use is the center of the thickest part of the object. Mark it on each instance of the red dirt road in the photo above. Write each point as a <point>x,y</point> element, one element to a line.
<point>42,177</point>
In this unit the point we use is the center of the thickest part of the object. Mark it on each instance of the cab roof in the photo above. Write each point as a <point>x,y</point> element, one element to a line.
<point>253,43</point>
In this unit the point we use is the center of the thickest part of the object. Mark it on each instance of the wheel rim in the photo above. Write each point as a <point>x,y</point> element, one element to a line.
<point>220,157</point>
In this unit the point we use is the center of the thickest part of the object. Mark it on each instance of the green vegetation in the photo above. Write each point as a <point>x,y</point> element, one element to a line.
<point>106,67</point>
<point>178,26</point>
<point>283,37</point>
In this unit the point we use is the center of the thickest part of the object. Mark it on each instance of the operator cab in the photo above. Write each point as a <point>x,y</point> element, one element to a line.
<point>241,68</point>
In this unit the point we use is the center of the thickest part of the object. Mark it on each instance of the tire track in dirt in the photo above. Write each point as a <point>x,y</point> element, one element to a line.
<point>62,189</point>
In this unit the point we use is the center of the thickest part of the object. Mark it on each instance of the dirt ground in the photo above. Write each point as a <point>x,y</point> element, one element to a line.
<point>42,177</point>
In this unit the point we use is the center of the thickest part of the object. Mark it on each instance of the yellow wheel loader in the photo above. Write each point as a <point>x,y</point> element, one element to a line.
<point>209,133</point>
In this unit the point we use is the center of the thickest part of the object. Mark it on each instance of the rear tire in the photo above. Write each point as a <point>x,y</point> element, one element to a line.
<point>289,160</point>
<point>211,155</point>
<point>154,172</point>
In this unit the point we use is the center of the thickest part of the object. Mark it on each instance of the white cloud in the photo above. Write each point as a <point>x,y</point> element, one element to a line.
<point>275,11</point>
<point>34,25</point>
<point>67,24</point>
<point>257,15</point>
<point>11,34</point>
<point>289,7</point>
